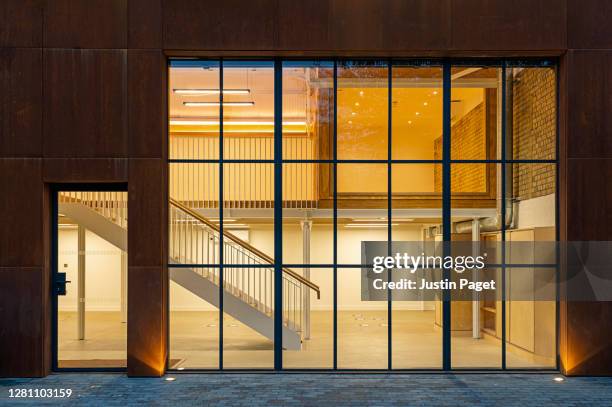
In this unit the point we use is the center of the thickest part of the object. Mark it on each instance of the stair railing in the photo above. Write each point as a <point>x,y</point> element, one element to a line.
<point>195,240</point>
<point>110,204</point>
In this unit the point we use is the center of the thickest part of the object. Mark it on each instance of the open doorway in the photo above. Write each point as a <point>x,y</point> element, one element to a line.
<point>90,278</point>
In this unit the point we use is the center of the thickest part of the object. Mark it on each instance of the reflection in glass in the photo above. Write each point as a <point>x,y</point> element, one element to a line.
<point>362,209</point>
<point>363,95</point>
<point>475,112</point>
<point>193,129</point>
<point>416,112</point>
<point>531,122</point>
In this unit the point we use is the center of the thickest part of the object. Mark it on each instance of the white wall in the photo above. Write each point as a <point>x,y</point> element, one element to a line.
<point>537,212</point>
<point>102,271</point>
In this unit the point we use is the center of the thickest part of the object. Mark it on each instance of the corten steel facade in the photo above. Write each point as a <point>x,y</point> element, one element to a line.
<point>84,100</point>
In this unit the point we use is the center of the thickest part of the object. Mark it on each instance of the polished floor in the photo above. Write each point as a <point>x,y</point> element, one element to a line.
<point>362,343</point>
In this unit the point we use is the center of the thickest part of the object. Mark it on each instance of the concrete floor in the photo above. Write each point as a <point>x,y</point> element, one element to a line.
<point>291,389</point>
<point>362,343</point>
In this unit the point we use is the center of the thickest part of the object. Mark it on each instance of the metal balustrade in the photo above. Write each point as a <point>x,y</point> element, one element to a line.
<point>196,240</point>
<point>112,205</point>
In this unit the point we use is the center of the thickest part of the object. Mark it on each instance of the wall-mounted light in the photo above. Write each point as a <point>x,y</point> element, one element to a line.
<point>211,91</point>
<point>209,104</point>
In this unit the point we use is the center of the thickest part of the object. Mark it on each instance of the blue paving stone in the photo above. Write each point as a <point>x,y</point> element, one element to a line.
<point>254,390</point>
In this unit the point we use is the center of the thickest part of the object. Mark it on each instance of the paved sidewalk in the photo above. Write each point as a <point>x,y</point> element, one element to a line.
<point>292,389</point>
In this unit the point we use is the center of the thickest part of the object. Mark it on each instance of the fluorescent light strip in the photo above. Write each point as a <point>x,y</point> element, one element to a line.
<point>211,91</point>
<point>208,104</point>
<point>178,122</point>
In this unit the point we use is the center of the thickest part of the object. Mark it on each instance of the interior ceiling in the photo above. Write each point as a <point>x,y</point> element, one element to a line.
<point>416,95</point>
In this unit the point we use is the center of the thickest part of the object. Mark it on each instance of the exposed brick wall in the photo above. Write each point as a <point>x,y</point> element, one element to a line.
<point>468,142</point>
<point>534,130</point>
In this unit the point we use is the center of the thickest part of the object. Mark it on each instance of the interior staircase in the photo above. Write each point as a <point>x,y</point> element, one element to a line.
<point>248,284</point>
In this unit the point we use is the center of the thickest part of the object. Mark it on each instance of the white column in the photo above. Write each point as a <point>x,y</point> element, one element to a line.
<point>475,276</point>
<point>124,291</point>
<point>81,282</point>
<point>306,228</point>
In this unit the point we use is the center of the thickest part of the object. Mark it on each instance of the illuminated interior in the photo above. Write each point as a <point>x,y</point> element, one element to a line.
<point>361,141</point>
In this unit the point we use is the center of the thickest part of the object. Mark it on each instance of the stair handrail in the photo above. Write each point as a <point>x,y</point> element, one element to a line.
<point>245,245</point>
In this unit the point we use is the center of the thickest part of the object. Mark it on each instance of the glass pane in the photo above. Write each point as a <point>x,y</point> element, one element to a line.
<point>416,220</point>
<point>248,110</point>
<point>531,98</point>
<point>307,214</point>
<point>531,305</point>
<point>248,317</point>
<point>362,209</point>
<point>308,110</point>
<point>417,113</point>
<point>475,112</point>
<point>362,110</point>
<point>362,324</point>
<point>309,318</point>
<point>193,110</point>
<point>476,322</point>
<point>248,302</point>
<point>248,215</point>
<point>194,213</point>
<point>194,318</point>
<point>92,315</point>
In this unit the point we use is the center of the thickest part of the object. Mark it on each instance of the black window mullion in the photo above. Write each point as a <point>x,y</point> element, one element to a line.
<point>446,210</point>
<point>335,215</point>
<point>503,214</point>
<point>278,215</point>
<point>221,258</point>
<point>389,212</point>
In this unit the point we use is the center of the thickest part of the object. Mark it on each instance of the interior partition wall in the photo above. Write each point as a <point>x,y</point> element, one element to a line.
<point>283,174</point>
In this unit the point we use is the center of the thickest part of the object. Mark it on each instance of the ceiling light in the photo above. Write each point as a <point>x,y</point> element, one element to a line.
<point>353,114</point>
<point>368,225</point>
<point>360,93</point>
<point>409,121</point>
<point>211,91</point>
<point>435,92</point>
<point>356,103</point>
<point>208,104</point>
<point>417,113</point>
<point>559,379</point>
<point>425,103</point>
<point>170,379</point>
<point>350,122</point>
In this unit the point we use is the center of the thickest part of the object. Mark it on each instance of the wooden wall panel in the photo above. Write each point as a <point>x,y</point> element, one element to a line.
<point>21,23</point>
<point>589,347</point>
<point>147,200</point>
<point>144,23</point>
<point>85,23</point>
<point>589,98</point>
<point>21,213</point>
<point>23,315</point>
<point>147,321</point>
<point>588,24</point>
<point>84,170</point>
<point>531,25</point>
<point>147,274</point>
<point>20,102</point>
<point>147,92</point>
<point>219,25</point>
<point>85,103</point>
